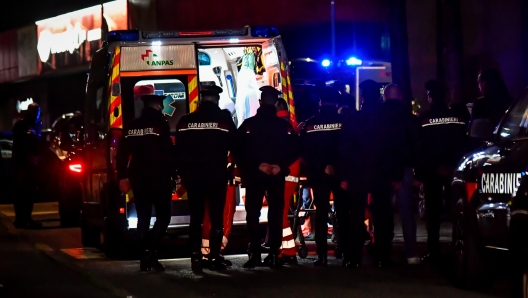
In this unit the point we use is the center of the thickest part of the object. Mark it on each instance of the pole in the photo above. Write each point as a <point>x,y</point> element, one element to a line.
<point>332,21</point>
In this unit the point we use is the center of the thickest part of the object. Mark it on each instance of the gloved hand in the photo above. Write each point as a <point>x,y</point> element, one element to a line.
<point>124,186</point>
<point>265,168</point>
<point>330,170</point>
<point>275,170</point>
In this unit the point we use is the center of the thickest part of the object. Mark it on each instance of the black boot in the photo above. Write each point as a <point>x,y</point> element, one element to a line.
<point>206,261</point>
<point>255,259</point>
<point>321,261</point>
<point>225,261</point>
<point>215,244</point>
<point>154,263</point>
<point>149,261</point>
<point>290,260</point>
<point>196,262</point>
<point>274,261</point>
<point>144,262</point>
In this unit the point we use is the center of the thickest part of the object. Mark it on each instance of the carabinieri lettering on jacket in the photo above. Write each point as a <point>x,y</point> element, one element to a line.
<point>141,132</point>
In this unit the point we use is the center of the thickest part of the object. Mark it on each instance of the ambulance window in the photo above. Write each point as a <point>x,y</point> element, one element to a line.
<point>95,110</point>
<point>515,124</point>
<point>175,103</point>
<point>203,59</point>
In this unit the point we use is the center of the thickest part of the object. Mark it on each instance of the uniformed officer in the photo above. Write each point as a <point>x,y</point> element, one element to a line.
<point>266,146</point>
<point>26,135</point>
<point>392,149</point>
<point>288,248</point>
<point>355,170</point>
<point>147,144</point>
<point>442,139</point>
<point>320,150</point>
<point>203,140</point>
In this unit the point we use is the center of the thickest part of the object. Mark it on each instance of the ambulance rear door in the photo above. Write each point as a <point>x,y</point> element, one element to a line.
<point>277,68</point>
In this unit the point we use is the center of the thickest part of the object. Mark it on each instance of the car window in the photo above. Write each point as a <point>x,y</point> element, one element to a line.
<point>515,124</point>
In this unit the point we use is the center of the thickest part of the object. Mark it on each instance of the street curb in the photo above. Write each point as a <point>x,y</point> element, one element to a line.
<point>61,258</point>
<point>7,229</point>
<point>6,226</point>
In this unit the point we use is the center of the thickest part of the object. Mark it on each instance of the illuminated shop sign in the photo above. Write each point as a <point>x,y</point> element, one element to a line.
<point>78,34</point>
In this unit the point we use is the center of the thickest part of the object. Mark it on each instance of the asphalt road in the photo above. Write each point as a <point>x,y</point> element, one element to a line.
<point>89,273</point>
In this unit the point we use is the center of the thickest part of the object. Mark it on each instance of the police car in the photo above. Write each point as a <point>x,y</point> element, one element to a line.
<point>174,64</point>
<point>490,200</point>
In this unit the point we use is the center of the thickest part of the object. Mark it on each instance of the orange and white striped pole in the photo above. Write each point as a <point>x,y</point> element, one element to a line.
<point>291,102</point>
<point>114,102</point>
<point>193,92</point>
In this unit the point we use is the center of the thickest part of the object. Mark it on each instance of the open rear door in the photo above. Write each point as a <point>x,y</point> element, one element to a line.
<point>278,68</point>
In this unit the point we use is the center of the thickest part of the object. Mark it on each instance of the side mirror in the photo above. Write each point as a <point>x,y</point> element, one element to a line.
<point>481,129</point>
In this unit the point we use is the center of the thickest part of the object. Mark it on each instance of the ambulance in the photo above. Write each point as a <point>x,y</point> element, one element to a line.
<point>175,64</point>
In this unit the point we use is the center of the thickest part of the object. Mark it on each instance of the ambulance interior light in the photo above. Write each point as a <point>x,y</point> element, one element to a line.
<point>123,35</point>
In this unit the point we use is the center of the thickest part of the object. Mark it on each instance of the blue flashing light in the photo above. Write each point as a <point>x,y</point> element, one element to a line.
<point>326,63</point>
<point>264,31</point>
<point>123,35</point>
<point>354,61</point>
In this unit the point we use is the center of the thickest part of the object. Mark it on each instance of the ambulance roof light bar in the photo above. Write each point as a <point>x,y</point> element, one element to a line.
<point>123,35</point>
<point>134,35</point>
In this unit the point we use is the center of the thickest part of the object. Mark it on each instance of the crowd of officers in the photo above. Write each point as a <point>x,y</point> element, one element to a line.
<point>360,158</point>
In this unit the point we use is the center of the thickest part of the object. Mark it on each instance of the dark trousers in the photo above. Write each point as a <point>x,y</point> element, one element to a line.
<point>433,191</point>
<point>322,188</point>
<point>358,198</point>
<point>25,194</point>
<point>273,186</point>
<point>213,191</point>
<point>383,218</point>
<point>146,196</point>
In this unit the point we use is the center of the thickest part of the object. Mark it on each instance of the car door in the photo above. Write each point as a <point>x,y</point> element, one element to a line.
<point>501,167</point>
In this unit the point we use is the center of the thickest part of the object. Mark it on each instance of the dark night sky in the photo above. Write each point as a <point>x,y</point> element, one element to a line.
<point>20,13</point>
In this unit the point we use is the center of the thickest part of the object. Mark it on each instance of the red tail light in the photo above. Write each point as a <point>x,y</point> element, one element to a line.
<point>76,167</point>
<point>195,33</point>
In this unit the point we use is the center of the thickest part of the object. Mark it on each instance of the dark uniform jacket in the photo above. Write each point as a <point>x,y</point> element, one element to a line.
<point>354,144</point>
<point>379,144</point>
<point>443,139</point>
<point>25,142</point>
<point>146,142</point>
<point>319,142</point>
<point>395,140</point>
<point>203,140</point>
<point>264,138</point>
